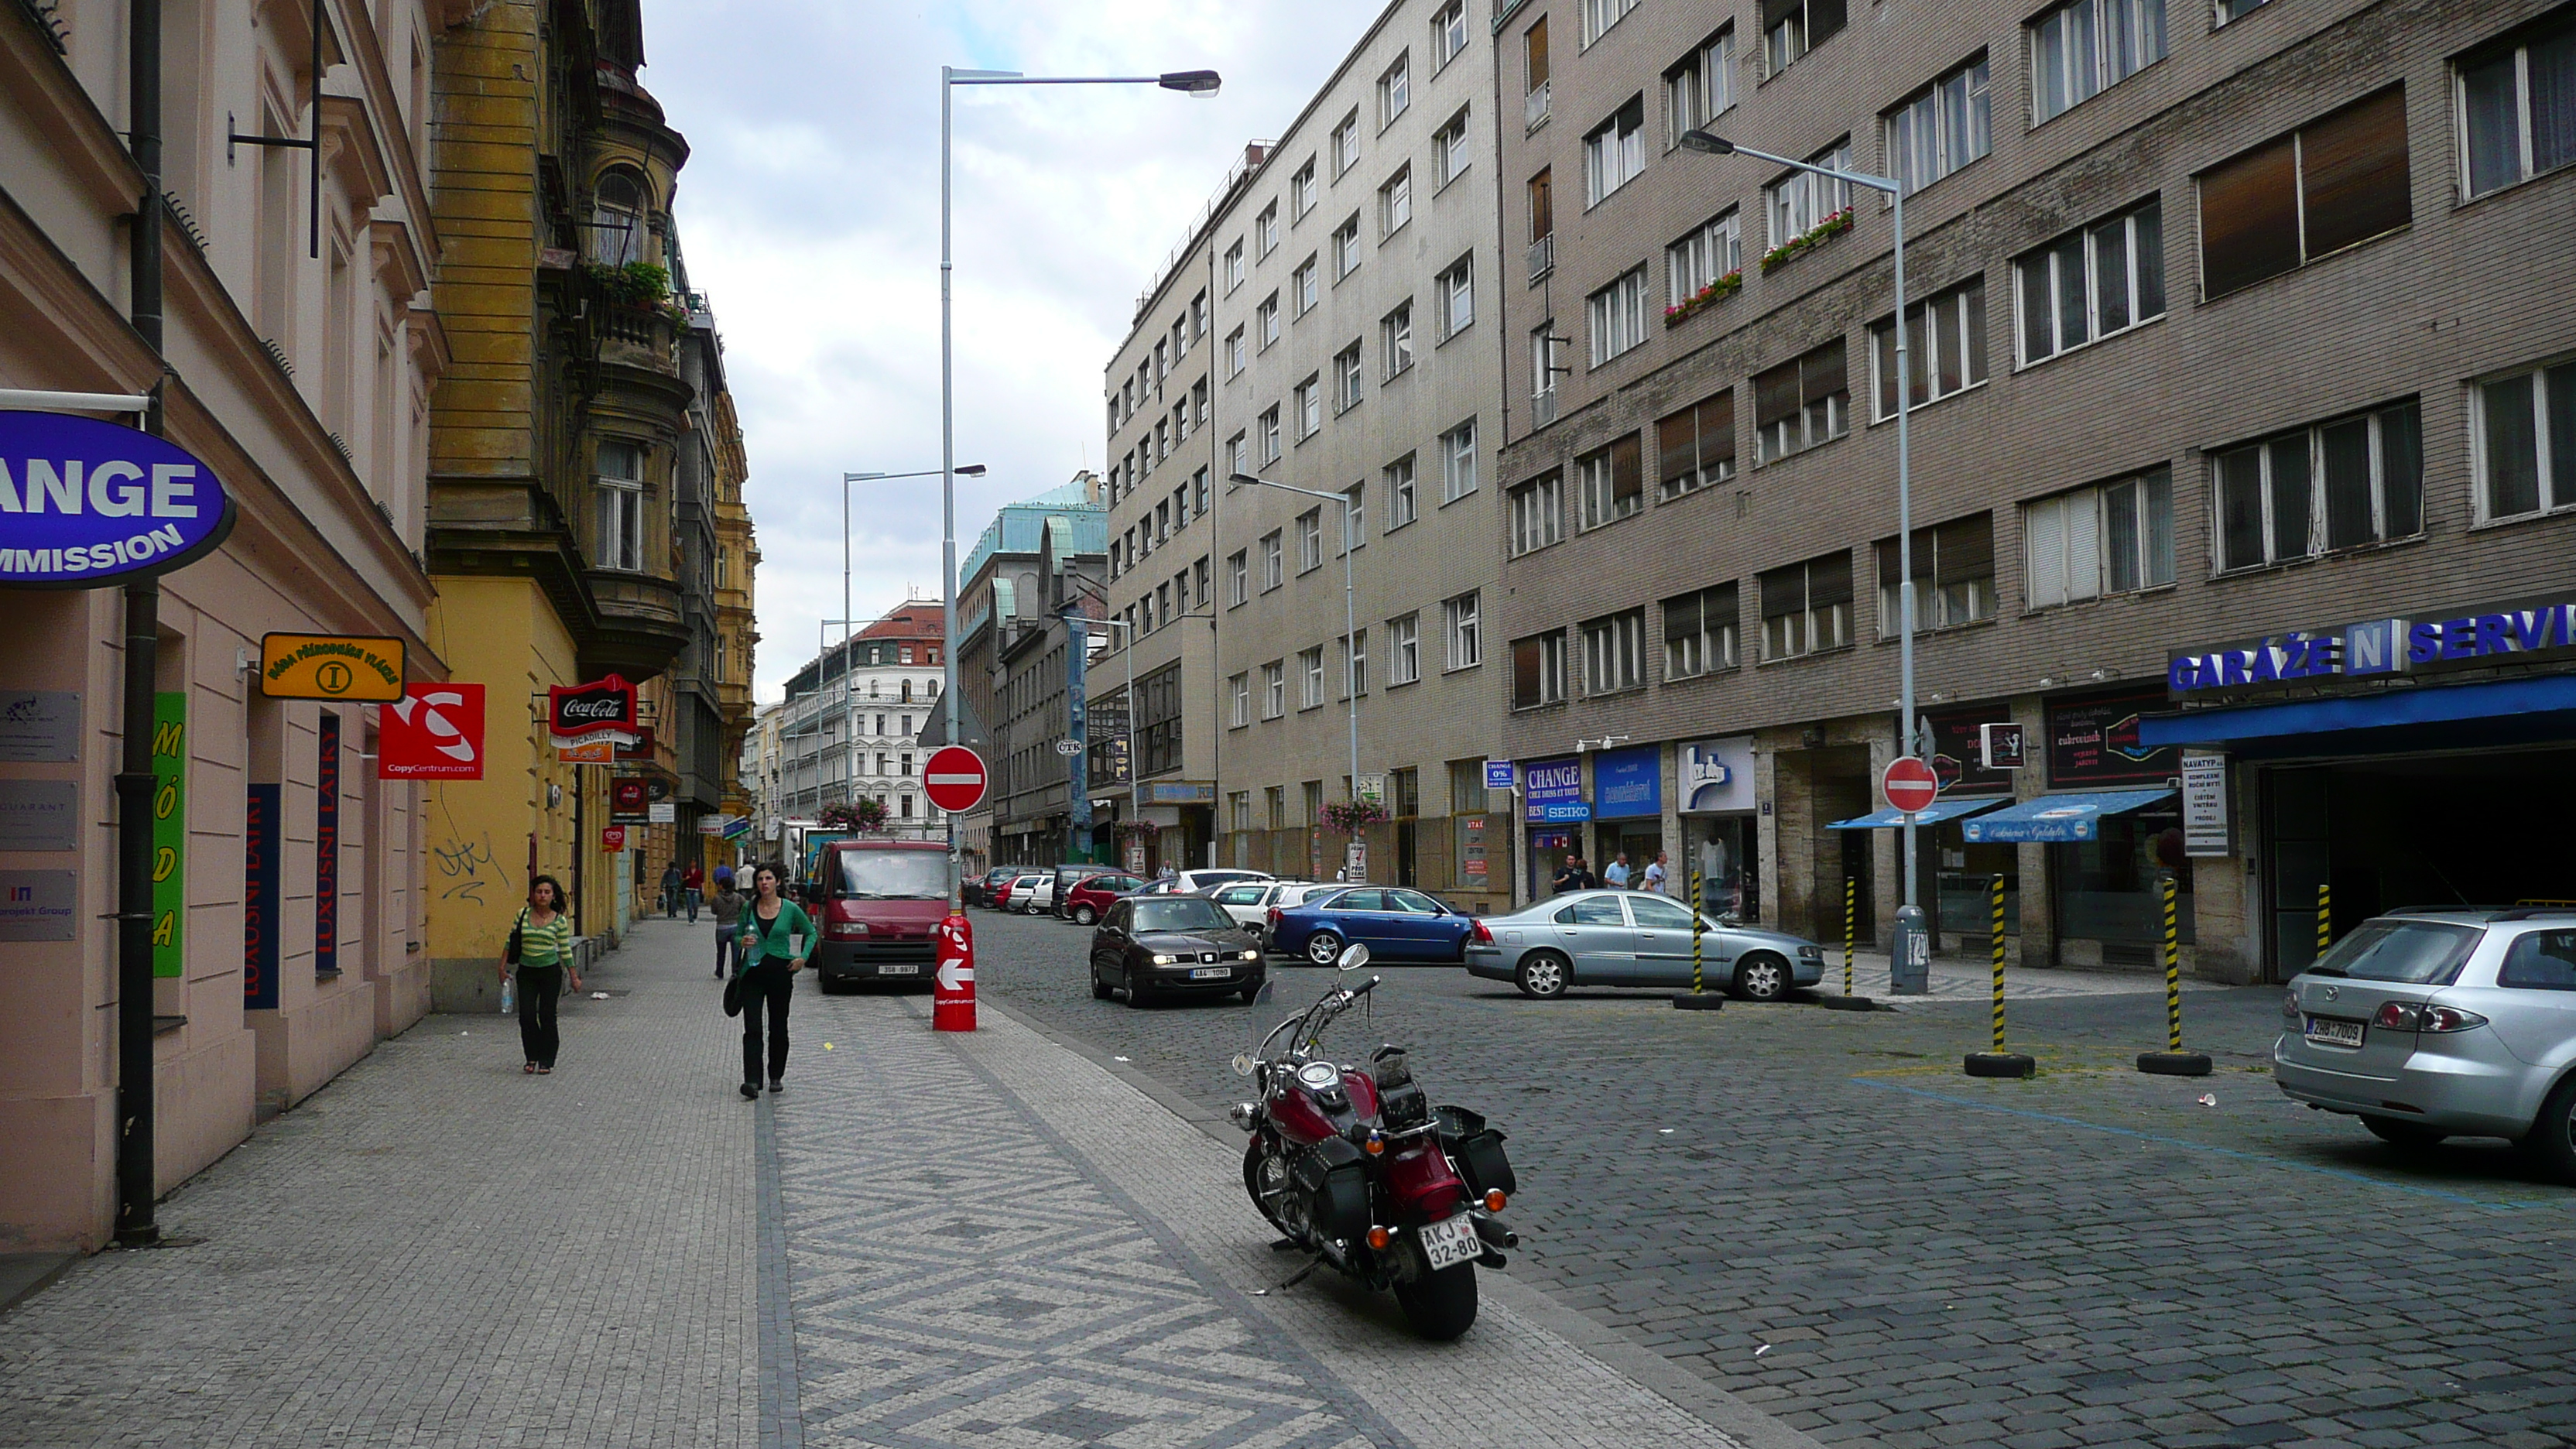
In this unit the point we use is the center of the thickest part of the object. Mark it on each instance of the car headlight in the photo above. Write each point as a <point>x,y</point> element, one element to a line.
<point>1250,954</point>
<point>1162,960</point>
<point>1811,952</point>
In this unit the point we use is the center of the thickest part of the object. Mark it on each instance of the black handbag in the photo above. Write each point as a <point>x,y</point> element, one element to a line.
<point>733,994</point>
<point>510,952</point>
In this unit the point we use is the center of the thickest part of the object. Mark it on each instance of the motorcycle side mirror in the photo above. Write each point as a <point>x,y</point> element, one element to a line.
<point>1243,1064</point>
<point>1354,956</point>
<point>1262,997</point>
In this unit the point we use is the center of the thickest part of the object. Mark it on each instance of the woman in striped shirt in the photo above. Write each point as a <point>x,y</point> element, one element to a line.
<point>545,957</point>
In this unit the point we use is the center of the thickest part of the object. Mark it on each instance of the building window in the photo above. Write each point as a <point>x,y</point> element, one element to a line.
<point>1346,248</point>
<point>1234,354</point>
<point>1310,540</point>
<point>1618,316</point>
<point>1544,370</point>
<point>1314,793</point>
<point>1699,632</point>
<point>905,760</point>
<point>1346,379</point>
<point>1801,403</point>
<point>1945,346</point>
<point>1448,33</point>
<point>1234,266</point>
<point>1273,560</point>
<point>1699,87</point>
<point>1310,677</point>
<point>1534,73</point>
<point>1538,670</point>
<point>1395,339</point>
<point>1355,517</point>
<point>1458,462</point>
<point>1463,636</point>
<point>2233,10</point>
<point>1158,721</point>
<point>1399,493</point>
<point>1614,652</point>
<point>1394,91</point>
<point>1800,201</point>
<point>1948,125</point>
<point>621,506</point>
<point>1615,151</point>
<point>1306,282</point>
<point>1270,434</point>
<point>2106,538</point>
<point>2332,183</point>
<point>2079,50</point>
<point>1609,484</point>
<point>1395,202</point>
<point>2340,484</point>
<point>2525,432</point>
<point>1355,666</point>
<point>1538,513</point>
<point>1274,689</point>
<point>1600,15</point>
<point>1237,454</point>
<point>1206,595</point>
<point>1791,28</point>
<point>1301,191</point>
<point>1404,639</point>
<point>1695,447</point>
<point>2092,283</point>
<point>1238,576</point>
<point>1265,320</point>
<point>1697,262</point>
<point>1309,398</point>
<point>1449,155</point>
<point>1265,229</point>
<point>1458,297</point>
<point>1806,607</point>
<point>2518,109</point>
<point>1238,805</point>
<point>1954,576</point>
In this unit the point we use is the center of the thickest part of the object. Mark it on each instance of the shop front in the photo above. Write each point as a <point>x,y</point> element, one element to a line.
<point>1627,809</point>
<point>1721,835</point>
<point>1554,811</point>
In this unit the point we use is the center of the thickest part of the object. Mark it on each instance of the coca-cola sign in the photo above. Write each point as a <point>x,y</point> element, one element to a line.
<point>601,709</point>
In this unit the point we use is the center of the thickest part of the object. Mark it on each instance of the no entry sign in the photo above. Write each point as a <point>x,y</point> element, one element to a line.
<point>1909,785</point>
<point>954,779</point>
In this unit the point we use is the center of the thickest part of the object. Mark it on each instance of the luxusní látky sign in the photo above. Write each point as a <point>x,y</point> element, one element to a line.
<point>89,503</point>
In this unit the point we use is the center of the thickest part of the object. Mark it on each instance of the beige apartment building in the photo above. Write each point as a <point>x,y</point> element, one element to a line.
<point>1328,327</point>
<point>2243,415</point>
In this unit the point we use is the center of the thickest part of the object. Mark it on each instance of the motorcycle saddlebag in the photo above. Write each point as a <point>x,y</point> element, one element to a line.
<point>1335,1178</point>
<point>1478,1151</point>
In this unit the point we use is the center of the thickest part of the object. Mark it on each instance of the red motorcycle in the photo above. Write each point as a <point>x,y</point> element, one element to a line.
<point>1354,1165</point>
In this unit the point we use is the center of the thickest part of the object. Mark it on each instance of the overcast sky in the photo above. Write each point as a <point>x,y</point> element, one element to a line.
<point>809,212</point>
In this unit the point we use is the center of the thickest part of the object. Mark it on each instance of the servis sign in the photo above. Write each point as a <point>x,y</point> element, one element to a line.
<point>85,503</point>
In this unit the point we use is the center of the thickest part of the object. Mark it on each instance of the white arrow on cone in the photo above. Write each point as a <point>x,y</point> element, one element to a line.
<point>954,974</point>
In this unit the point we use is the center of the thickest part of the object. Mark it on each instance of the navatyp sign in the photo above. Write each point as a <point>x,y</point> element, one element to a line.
<point>85,503</point>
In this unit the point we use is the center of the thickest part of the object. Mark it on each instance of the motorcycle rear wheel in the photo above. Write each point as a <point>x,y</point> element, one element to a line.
<point>1442,1306</point>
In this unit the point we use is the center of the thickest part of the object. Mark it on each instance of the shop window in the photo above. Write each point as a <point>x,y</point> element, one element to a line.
<point>1945,347</point>
<point>1538,670</point>
<point>1806,607</point>
<point>2517,108</point>
<point>2111,889</point>
<point>2525,428</point>
<point>1466,786</point>
<point>1802,402</point>
<point>1696,446</point>
<point>1610,484</point>
<point>1954,576</point>
<point>2341,484</point>
<point>1614,653</point>
<point>2108,538</point>
<point>2094,282</point>
<point>2335,182</point>
<point>1699,632</point>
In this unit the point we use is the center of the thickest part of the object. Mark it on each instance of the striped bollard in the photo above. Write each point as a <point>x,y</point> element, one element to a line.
<point>1698,999</point>
<point>1851,929</point>
<point>2173,1061</point>
<point>2325,917</point>
<point>1998,1062</point>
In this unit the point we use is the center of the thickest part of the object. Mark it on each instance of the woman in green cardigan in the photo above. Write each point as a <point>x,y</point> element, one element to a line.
<point>776,937</point>
<point>545,956</point>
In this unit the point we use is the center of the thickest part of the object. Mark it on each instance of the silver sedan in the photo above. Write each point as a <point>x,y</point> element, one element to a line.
<point>1634,938</point>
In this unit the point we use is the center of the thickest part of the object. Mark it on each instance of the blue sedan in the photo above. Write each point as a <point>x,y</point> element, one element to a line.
<point>1396,924</point>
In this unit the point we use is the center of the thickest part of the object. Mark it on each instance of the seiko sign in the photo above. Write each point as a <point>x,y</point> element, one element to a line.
<point>84,504</point>
<point>2448,640</point>
<point>600,709</point>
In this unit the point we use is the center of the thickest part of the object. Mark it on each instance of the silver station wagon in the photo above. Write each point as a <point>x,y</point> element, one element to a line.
<point>2443,1023</point>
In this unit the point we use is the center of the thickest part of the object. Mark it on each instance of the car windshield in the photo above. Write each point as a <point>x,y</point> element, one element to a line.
<point>894,875</point>
<point>1182,913</point>
<point>2420,953</point>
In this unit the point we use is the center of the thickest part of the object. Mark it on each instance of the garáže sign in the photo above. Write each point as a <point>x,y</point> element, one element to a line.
<point>93,503</point>
<point>2484,635</point>
<point>434,732</point>
<point>330,666</point>
<point>600,712</point>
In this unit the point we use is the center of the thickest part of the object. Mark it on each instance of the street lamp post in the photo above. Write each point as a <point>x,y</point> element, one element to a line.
<point>1350,618</point>
<point>1702,140</point>
<point>1200,84</point>
<point>849,734</point>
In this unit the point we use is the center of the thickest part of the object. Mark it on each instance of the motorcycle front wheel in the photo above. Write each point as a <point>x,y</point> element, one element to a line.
<point>1442,1306</point>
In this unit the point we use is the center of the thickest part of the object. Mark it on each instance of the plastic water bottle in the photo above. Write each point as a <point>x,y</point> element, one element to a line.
<point>509,990</point>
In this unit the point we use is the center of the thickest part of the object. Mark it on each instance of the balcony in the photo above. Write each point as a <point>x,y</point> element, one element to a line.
<point>1534,108</point>
<point>1542,257</point>
<point>1543,408</point>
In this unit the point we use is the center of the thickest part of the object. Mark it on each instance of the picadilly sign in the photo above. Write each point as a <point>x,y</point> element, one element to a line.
<point>85,504</point>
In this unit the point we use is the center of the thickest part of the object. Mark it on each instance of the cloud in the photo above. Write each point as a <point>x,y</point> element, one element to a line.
<point>809,213</point>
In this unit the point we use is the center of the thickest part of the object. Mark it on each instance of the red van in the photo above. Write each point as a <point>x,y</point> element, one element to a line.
<point>877,903</point>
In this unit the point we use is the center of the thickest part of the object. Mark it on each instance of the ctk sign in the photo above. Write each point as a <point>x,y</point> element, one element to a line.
<point>85,504</point>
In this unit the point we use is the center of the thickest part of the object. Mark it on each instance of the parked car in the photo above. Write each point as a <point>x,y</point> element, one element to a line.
<point>876,903</point>
<point>1008,896</point>
<point>1069,876</point>
<point>1152,946</point>
<point>1034,895</point>
<point>1398,924</point>
<point>1090,897</point>
<point>2443,1023</point>
<point>1634,938</point>
<point>1251,901</point>
<point>978,890</point>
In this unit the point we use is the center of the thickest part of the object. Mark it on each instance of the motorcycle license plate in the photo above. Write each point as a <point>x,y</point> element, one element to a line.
<point>1211,973</point>
<point>1451,1243</point>
<point>907,970</point>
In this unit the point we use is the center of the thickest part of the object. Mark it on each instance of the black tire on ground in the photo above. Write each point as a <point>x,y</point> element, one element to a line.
<point>2403,1134</point>
<point>2551,1143</point>
<point>1442,1306</point>
<point>1762,977</point>
<point>1084,915</point>
<point>828,985</point>
<point>1543,975</point>
<point>1099,988</point>
<point>1137,993</point>
<point>1323,948</point>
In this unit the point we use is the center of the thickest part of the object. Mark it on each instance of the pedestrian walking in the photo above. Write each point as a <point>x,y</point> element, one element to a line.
<point>1656,874</point>
<point>693,883</point>
<point>1574,877</point>
<point>671,891</point>
<point>543,935</point>
<point>727,906</point>
<point>1617,873</point>
<point>776,934</point>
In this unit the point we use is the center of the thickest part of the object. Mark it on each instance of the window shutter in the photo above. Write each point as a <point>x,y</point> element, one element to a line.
<point>2083,544</point>
<point>1821,373</point>
<point>1784,592</point>
<point>1890,564</point>
<point>2352,168</point>
<point>1717,430</point>
<point>1775,395</point>
<point>1627,469</point>
<point>1677,443</point>
<point>1681,618</point>
<point>2249,219</point>
<point>1829,581</point>
<point>1965,549</point>
<point>2043,526</point>
<point>1775,11</point>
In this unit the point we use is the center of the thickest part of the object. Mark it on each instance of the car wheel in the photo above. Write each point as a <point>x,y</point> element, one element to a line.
<point>1137,993</point>
<point>1762,977</point>
<point>2551,1142</point>
<point>1542,976</point>
<point>2404,1134</point>
<point>1099,987</point>
<point>1323,948</point>
<point>1250,994</point>
<point>1084,915</point>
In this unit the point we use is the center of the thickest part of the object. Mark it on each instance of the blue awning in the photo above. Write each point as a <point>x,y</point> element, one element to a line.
<point>1941,810</point>
<point>2380,709</point>
<point>2057,817</point>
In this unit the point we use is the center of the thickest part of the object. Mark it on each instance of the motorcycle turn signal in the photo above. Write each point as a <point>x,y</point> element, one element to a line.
<point>1378,1238</point>
<point>1494,1200</point>
<point>1374,1143</point>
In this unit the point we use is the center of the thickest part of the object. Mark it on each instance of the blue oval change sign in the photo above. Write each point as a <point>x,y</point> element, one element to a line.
<point>85,503</point>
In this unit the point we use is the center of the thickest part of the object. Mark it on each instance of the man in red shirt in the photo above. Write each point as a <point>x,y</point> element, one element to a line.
<point>693,884</point>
